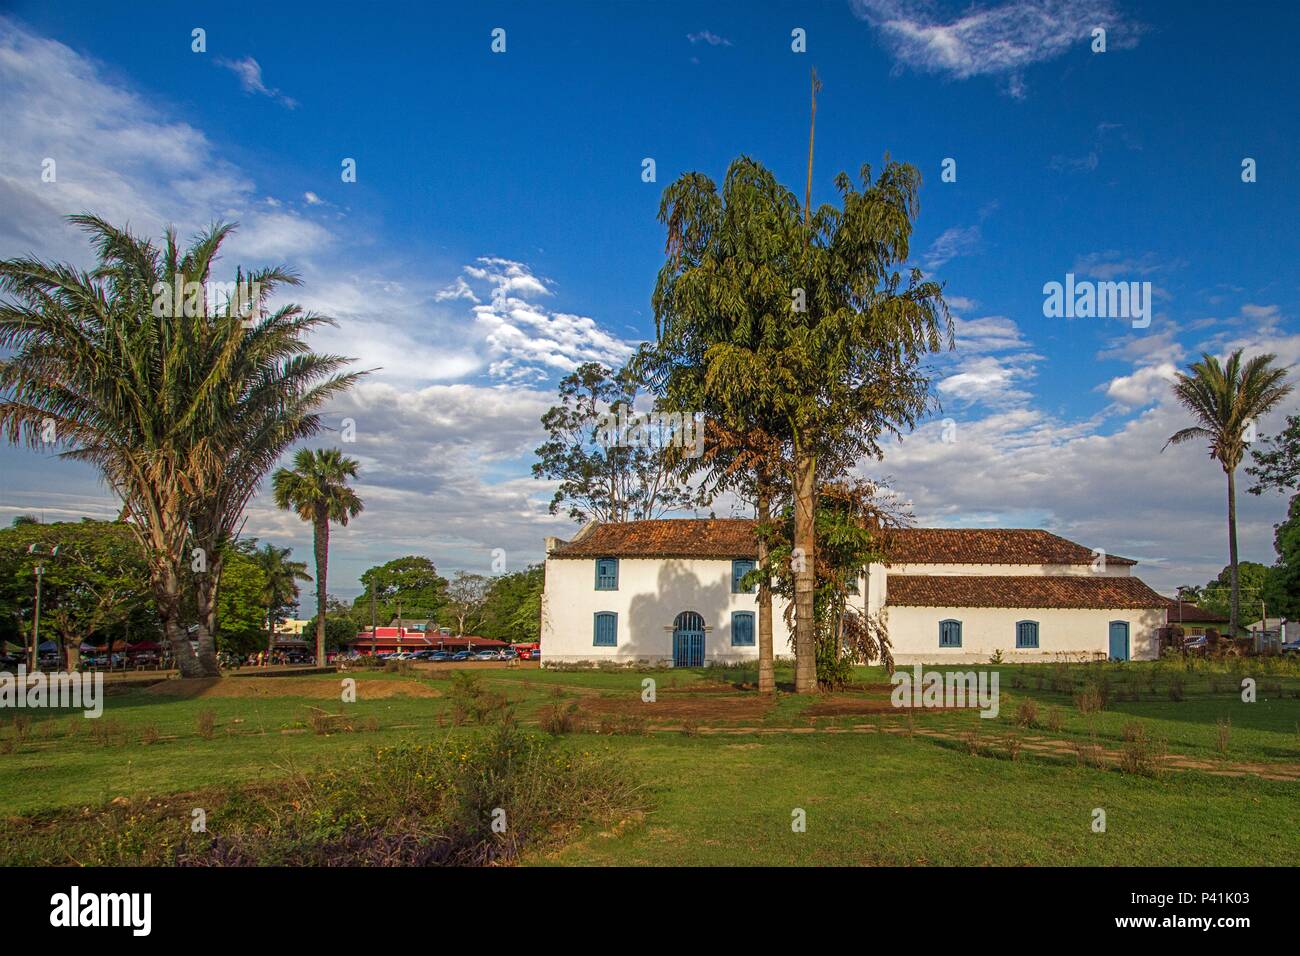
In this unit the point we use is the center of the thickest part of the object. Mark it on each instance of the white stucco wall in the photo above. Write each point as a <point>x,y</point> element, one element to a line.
<point>651,593</point>
<point>914,633</point>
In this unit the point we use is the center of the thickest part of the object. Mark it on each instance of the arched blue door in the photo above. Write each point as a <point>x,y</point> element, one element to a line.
<point>1119,640</point>
<point>688,640</point>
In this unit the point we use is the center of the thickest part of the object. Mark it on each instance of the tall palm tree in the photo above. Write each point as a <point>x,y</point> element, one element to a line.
<point>182,404</point>
<point>281,588</point>
<point>317,488</point>
<point>1226,400</point>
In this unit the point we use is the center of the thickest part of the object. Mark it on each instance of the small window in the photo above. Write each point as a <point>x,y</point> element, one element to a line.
<point>738,570</point>
<point>950,633</point>
<point>607,574</point>
<point>742,628</point>
<point>606,629</point>
<point>1026,634</point>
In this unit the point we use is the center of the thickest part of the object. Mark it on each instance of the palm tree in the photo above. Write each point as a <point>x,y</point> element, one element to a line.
<point>281,588</point>
<point>1227,400</point>
<point>317,488</point>
<point>182,404</point>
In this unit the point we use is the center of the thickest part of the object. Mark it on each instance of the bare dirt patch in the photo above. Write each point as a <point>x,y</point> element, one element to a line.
<point>268,687</point>
<point>713,708</point>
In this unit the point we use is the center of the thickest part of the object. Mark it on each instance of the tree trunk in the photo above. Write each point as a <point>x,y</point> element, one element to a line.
<point>766,670</point>
<point>167,600</point>
<point>1235,615</point>
<point>208,585</point>
<point>805,543</point>
<point>322,543</point>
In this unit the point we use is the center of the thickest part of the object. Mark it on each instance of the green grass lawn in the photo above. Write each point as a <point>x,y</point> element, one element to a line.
<point>876,787</point>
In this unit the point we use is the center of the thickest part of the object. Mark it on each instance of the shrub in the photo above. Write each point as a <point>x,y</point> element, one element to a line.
<point>997,657</point>
<point>1223,734</point>
<point>1089,700</point>
<point>149,734</point>
<point>558,719</point>
<point>1177,687</point>
<point>1142,754</point>
<point>409,805</point>
<point>691,727</point>
<point>22,724</point>
<point>1027,714</point>
<point>108,731</point>
<point>1089,754</point>
<point>206,722</point>
<point>1013,745</point>
<point>471,702</point>
<point>1055,720</point>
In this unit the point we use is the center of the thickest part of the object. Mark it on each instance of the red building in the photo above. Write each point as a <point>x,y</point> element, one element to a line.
<point>390,640</point>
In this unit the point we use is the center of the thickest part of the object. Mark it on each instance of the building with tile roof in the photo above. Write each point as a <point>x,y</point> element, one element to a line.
<point>669,591</point>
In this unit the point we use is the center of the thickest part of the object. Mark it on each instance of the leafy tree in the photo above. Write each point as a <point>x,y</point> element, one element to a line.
<point>467,601</point>
<point>412,582</point>
<point>182,406</point>
<point>725,290</point>
<point>1282,585</point>
<point>98,581</point>
<point>1277,460</point>
<point>602,475</point>
<point>1226,400</point>
<point>839,365</point>
<point>513,606</point>
<point>317,489</point>
<point>241,612</point>
<point>340,629</point>
<point>1252,578</point>
<point>280,585</point>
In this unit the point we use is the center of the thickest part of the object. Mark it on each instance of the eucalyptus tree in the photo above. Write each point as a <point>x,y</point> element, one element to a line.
<point>802,319</point>
<point>604,471</point>
<point>1227,400</point>
<point>181,401</point>
<point>317,489</point>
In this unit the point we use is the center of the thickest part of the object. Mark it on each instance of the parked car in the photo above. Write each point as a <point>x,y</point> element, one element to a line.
<point>1291,647</point>
<point>440,655</point>
<point>462,656</point>
<point>486,656</point>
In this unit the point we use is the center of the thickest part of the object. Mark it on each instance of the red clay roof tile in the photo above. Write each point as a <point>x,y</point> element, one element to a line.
<point>1027,591</point>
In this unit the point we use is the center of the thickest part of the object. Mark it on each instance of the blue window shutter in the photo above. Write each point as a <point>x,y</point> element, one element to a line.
<point>742,628</point>
<point>607,574</point>
<point>950,633</point>
<point>1027,634</point>
<point>605,629</point>
<point>739,569</point>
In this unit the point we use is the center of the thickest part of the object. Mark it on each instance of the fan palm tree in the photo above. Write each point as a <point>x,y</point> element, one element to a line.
<point>317,489</point>
<point>1227,400</point>
<point>182,404</point>
<point>281,588</point>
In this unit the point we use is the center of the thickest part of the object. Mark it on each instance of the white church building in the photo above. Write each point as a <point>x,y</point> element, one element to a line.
<point>668,592</point>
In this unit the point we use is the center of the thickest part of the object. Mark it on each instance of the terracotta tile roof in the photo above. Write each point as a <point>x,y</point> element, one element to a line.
<point>735,538</point>
<point>1191,614</point>
<point>665,538</point>
<point>1027,591</point>
<point>986,546</point>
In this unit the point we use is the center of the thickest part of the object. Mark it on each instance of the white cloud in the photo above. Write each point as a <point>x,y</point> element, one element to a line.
<point>1143,387</point>
<point>249,72</point>
<point>712,39</point>
<point>962,41</point>
<point>952,242</point>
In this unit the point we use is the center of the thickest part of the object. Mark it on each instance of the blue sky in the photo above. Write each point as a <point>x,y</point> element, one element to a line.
<point>499,230</point>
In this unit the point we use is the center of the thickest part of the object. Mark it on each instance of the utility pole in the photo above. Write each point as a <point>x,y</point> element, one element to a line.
<point>812,127</point>
<point>34,652</point>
